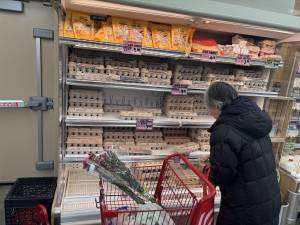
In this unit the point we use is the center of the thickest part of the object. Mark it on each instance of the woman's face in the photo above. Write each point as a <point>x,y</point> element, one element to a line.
<point>214,112</point>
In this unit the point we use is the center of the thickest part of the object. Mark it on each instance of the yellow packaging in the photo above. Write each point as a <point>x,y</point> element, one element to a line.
<point>181,37</point>
<point>161,36</point>
<point>68,28</point>
<point>121,29</point>
<point>148,39</point>
<point>82,26</point>
<point>103,31</point>
<point>138,31</point>
<point>61,28</point>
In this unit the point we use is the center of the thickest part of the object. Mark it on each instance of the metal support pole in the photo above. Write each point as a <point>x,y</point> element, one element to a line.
<point>41,164</point>
<point>292,212</point>
<point>283,214</point>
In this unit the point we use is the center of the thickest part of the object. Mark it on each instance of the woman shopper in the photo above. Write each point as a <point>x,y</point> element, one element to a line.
<point>241,158</point>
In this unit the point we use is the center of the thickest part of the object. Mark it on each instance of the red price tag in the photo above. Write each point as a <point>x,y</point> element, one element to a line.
<point>179,89</point>
<point>132,48</point>
<point>243,60</point>
<point>144,124</point>
<point>208,56</point>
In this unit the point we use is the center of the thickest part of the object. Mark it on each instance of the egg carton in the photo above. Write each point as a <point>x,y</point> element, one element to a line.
<point>157,81</point>
<point>255,84</point>
<point>179,100</point>
<point>118,129</point>
<point>161,74</point>
<point>179,77</point>
<point>150,65</point>
<point>204,147</point>
<point>118,135</point>
<point>247,73</point>
<point>217,71</point>
<point>152,145</point>
<point>185,69</point>
<point>187,176</point>
<point>85,94</point>
<point>218,77</point>
<point>78,206</point>
<point>187,147</point>
<point>84,132</point>
<point>178,140</point>
<point>86,102</point>
<point>120,61</point>
<point>73,166</point>
<point>84,140</point>
<point>79,57</point>
<point>201,84</point>
<point>181,115</point>
<point>84,150</point>
<point>174,132</point>
<point>85,105</point>
<point>117,108</point>
<point>154,111</point>
<point>85,112</point>
<point>202,133</point>
<point>148,134</point>
<point>133,115</point>
<point>123,71</point>
<point>83,189</point>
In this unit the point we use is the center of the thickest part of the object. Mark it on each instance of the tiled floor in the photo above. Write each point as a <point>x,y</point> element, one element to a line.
<point>3,191</point>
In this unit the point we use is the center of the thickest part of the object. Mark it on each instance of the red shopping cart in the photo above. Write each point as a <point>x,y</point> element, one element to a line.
<point>181,201</point>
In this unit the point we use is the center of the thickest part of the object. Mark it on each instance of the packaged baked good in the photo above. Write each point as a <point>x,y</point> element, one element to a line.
<point>181,37</point>
<point>103,31</point>
<point>200,45</point>
<point>138,31</point>
<point>161,36</point>
<point>82,26</point>
<point>147,42</point>
<point>121,29</point>
<point>68,28</point>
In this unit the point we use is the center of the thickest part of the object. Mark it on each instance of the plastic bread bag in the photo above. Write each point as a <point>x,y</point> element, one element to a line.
<point>147,42</point>
<point>103,31</point>
<point>181,37</point>
<point>121,29</point>
<point>161,36</point>
<point>67,27</point>
<point>138,31</point>
<point>82,26</point>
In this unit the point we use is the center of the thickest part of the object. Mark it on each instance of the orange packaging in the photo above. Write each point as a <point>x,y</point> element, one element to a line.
<point>68,28</point>
<point>138,31</point>
<point>121,29</point>
<point>181,37</point>
<point>199,45</point>
<point>103,31</point>
<point>148,39</point>
<point>82,26</point>
<point>161,36</point>
<point>61,28</point>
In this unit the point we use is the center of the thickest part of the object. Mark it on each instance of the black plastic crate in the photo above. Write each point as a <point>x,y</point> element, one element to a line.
<point>23,197</point>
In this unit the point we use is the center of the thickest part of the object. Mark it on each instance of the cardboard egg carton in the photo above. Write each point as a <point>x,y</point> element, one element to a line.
<point>152,145</point>
<point>157,81</point>
<point>174,132</point>
<point>199,134</point>
<point>133,115</point>
<point>200,84</point>
<point>148,134</point>
<point>177,140</point>
<point>120,61</point>
<point>84,132</point>
<point>255,84</point>
<point>83,150</point>
<point>239,74</point>
<point>92,72</point>
<point>118,136</point>
<point>117,108</point>
<point>85,94</point>
<point>179,104</point>
<point>123,71</point>
<point>150,65</point>
<point>161,74</point>
<point>183,115</point>
<point>204,147</point>
<point>179,100</point>
<point>78,57</point>
<point>187,69</point>
<point>218,77</point>
<point>187,147</point>
<point>154,111</point>
<point>85,112</point>
<point>84,142</point>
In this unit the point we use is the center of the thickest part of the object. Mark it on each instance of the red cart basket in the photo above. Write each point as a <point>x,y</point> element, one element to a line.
<point>181,203</point>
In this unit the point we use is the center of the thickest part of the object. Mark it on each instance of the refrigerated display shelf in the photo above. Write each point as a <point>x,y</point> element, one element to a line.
<point>114,120</point>
<point>157,88</point>
<point>112,47</point>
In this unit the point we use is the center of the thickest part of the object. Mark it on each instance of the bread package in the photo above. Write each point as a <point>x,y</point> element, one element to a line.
<point>161,36</point>
<point>138,31</point>
<point>147,42</point>
<point>82,26</point>
<point>103,31</point>
<point>121,29</point>
<point>181,37</point>
<point>68,28</point>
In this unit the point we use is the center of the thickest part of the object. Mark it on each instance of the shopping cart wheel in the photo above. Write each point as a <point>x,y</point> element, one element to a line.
<point>42,215</point>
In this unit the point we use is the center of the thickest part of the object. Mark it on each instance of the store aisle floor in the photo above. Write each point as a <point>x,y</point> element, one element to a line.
<point>3,191</point>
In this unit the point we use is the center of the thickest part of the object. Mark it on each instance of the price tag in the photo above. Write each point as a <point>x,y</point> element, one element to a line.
<point>144,124</point>
<point>132,48</point>
<point>272,63</point>
<point>243,60</point>
<point>208,56</point>
<point>12,104</point>
<point>179,89</point>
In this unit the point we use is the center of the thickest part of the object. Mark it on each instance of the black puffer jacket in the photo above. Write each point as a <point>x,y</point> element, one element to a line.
<point>243,165</point>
